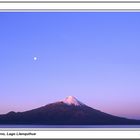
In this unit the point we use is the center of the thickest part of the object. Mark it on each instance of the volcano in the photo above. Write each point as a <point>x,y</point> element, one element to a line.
<point>69,111</point>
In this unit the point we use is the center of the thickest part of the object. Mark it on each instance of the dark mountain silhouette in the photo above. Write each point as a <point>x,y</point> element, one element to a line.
<point>67,112</point>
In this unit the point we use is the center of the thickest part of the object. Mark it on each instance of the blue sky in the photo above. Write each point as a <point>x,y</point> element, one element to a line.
<point>93,56</point>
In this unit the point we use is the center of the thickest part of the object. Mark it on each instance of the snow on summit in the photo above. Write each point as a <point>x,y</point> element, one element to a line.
<point>70,100</point>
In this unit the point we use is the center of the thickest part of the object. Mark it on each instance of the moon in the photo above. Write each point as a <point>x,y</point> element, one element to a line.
<point>35,58</point>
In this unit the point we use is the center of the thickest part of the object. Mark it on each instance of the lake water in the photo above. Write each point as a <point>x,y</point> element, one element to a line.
<point>69,126</point>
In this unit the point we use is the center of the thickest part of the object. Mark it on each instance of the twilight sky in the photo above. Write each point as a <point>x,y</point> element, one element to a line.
<point>92,56</point>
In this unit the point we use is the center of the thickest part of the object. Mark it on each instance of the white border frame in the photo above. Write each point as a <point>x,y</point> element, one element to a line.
<point>84,6</point>
<point>69,5</point>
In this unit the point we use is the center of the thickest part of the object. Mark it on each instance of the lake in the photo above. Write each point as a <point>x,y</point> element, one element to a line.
<point>69,126</point>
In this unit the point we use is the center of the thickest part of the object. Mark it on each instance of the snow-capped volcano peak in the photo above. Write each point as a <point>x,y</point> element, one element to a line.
<point>70,100</point>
